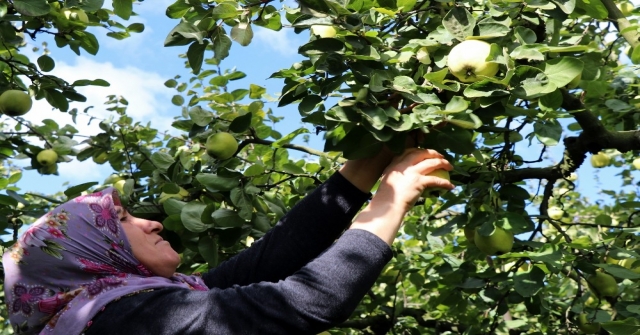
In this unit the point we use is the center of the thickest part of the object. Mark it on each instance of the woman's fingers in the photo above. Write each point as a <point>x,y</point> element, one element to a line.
<point>431,164</point>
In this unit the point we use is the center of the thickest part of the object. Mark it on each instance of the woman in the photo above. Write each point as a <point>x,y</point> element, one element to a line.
<point>89,267</point>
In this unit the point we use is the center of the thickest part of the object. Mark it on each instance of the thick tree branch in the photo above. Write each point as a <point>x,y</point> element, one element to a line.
<point>594,138</point>
<point>620,21</point>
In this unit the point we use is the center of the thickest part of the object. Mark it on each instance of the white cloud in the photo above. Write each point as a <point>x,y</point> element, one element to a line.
<point>148,102</point>
<point>283,42</point>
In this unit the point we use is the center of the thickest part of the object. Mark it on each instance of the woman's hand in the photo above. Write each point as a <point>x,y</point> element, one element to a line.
<point>402,184</point>
<point>406,177</point>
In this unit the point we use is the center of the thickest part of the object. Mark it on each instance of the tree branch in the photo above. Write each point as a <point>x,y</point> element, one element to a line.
<point>620,21</point>
<point>293,147</point>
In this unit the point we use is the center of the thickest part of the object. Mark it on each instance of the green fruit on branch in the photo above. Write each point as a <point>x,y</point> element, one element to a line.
<point>221,145</point>
<point>603,285</point>
<point>119,185</point>
<point>47,157</point>
<point>625,8</point>
<point>467,62</point>
<point>75,14</point>
<point>600,160</point>
<point>15,103</point>
<point>436,191</point>
<point>636,163</point>
<point>49,169</point>
<point>587,327</point>
<point>555,213</point>
<point>323,31</point>
<point>112,179</point>
<point>499,242</point>
<point>181,195</point>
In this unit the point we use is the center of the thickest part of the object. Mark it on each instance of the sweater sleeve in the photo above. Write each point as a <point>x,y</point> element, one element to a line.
<point>320,295</point>
<point>300,236</point>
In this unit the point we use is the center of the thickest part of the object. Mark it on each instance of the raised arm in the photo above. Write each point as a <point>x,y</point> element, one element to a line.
<point>320,295</point>
<point>306,230</point>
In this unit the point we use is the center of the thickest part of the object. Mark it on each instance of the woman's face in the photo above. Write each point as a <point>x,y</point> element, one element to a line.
<point>148,247</point>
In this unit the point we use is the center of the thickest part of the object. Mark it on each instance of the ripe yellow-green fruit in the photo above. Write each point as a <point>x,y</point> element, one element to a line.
<point>112,179</point>
<point>469,233</point>
<point>587,327</point>
<point>101,158</point>
<point>436,191</point>
<point>75,14</point>
<point>625,8</point>
<point>555,212</point>
<point>600,160</point>
<point>603,285</point>
<point>119,185</point>
<point>179,196</point>
<point>467,62</point>
<point>47,157</point>
<point>627,263</point>
<point>15,103</point>
<point>323,31</point>
<point>501,241</point>
<point>636,163</point>
<point>221,145</point>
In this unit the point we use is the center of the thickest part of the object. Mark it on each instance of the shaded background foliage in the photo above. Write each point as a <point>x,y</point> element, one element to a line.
<point>567,79</point>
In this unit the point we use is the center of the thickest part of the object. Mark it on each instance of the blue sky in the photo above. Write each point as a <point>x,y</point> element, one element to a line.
<point>138,66</point>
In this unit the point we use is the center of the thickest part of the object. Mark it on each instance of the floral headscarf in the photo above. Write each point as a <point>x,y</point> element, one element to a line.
<point>72,262</point>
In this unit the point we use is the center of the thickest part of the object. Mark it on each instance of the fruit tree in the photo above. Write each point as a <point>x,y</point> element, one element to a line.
<point>496,86</point>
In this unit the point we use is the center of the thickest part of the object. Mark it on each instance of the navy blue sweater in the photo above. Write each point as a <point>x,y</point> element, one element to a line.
<point>297,279</point>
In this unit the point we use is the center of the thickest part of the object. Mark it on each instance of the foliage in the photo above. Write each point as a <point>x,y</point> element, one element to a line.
<point>563,81</point>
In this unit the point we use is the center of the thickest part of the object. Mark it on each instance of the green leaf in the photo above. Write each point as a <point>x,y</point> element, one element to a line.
<point>530,82</point>
<point>567,6</point>
<point>46,63</point>
<point>629,326</point>
<point>224,10</point>
<point>527,284</point>
<point>525,35</point>
<point>177,100</point>
<point>618,271</point>
<point>457,104</point>
<point>31,7</point>
<point>162,160</point>
<point>404,84</point>
<point>123,8</point>
<point>135,28</point>
<point>56,99</point>
<point>200,116</point>
<point>242,33</point>
<point>321,45</point>
<point>195,55</point>
<point>183,34</point>
<point>208,248</point>
<point>562,70</point>
<point>459,23</point>
<point>256,91</point>
<point>172,206</point>
<point>289,137</point>
<point>635,55</point>
<point>227,218</point>
<point>548,132</point>
<point>594,8</point>
<point>221,45</point>
<point>485,88</point>
<point>86,5</point>
<point>74,191</point>
<point>215,183</point>
<point>241,123</point>
<point>242,201</point>
<point>492,29</point>
<point>191,216</point>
